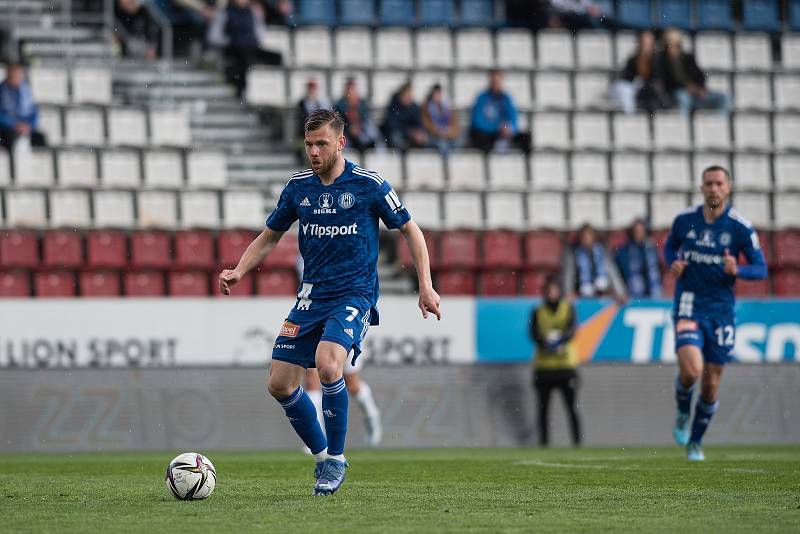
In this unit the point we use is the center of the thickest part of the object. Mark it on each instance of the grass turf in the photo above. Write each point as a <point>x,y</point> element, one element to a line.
<point>738,489</point>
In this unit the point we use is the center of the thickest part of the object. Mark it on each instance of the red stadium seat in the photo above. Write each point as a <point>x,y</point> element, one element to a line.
<point>765,239</point>
<point>19,248</point>
<point>659,237</point>
<point>243,289</point>
<point>188,283</point>
<point>752,288</point>
<point>15,284</point>
<point>667,285</point>
<point>284,255</point>
<point>276,282</point>
<point>144,283</point>
<point>101,283</point>
<point>787,248</point>
<point>456,283</point>
<point>151,249</point>
<point>616,238</point>
<point>106,249</point>
<point>404,258</point>
<point>543,250</point>
<point>502,248</point>
<point>499,283</point>
<point>194,249</point>
<point>459,250</point>
<point>533,282</point>
<point>230,246</point>
<point>787,283</point>
<point>51,284</point>
<point>62,249</point>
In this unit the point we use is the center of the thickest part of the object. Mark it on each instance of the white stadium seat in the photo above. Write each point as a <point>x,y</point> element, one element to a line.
<point>665,207</point>
<point>551,130</point>
<point>384,84</point>
<point>505,210</point>
<point>200,209</point>
<point>549,171</point>
<point>423,80</point>
<point>546,210</point>
<point>49,85</point>
<point>631,131</point>
<point>298,79</point>
<point>424,169</point>
<point>277,39</point>
<point>425,208</point>
<point>591,90</point>
<point>50,125</point>
<point>711,130</point>
<point>719,81</point>
<point>624,208</point>
<point>170,127</point>
<point>5,169</point>
<point>26,207</point>
<point>466,87</point>
<point>266,87</point>
<point>630,172</point>
<point>353,47</point>
<point>389,164</point>
<point>591,130</point>
<point>127,127</point>
<point>752,131</point>
<point>157,209</point>
<point>474,49</point>
<point>703,160</point>
<point>34,168</point>
<point>787,172</point>
<point>753,51</point>
<point>243,209</point>
<point>77,168</point>
<point>84,126</point>
<point>114,209</point>
<point>91,85</point>
<point>312,47</point>
<point>714,51</point>
<point>671,172</point>
<point>393,48</point>
<point>790,50</point>
<point>434,48</point>
<point>787,211</point>
<point>787,132</point>
<point>553,90</point>
<point>787,91</point>
<point>163,168</point>
<point>595,50</point>
<point>752,91</point>
<point>624,47</point>
<point>207,169</point>
<point>671,131</point>
<point>518,85</point>
<point>121,168</point>
<point>463,210</point>
<point>554,50</point>
<point>466,170</point>
<point>69,209</point>
<point>588,208</point>
<point>589,171</point>
<point>754,206</point>
<point>508,171</point>
<point>515,49</point>
<point>752,172</point>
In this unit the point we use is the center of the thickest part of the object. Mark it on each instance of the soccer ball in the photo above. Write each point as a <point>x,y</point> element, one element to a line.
<point>191,476</point>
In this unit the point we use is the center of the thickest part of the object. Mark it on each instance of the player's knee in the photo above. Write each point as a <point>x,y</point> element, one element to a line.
<point>278,389</point>
<point>329,372</point>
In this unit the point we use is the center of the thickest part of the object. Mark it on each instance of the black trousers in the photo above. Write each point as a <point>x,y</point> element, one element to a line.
<point>8,136</point>
<point>240,59</point>
<point>566,381</point>
<point>485,141</point>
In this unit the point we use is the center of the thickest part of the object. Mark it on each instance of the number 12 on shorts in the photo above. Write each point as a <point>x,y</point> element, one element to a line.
<point>724,335</point>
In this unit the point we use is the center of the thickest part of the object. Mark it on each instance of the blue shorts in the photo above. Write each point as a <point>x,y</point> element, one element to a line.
<point>714,337</point>
<point>342,321</point>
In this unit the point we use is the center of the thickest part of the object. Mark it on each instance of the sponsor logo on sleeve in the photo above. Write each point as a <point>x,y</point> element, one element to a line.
<point>685,325</point>
<point>289,329</point>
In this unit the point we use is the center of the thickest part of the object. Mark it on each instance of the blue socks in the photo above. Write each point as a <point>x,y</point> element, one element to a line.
<point>303,417</point>
<point>683,396</point>
<point>334,409</point>
<point>703,412</point>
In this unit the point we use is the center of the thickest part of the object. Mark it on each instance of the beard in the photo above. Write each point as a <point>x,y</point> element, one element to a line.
<point>326,165</point>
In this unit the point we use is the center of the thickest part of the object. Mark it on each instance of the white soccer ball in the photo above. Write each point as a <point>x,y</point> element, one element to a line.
<point>191,476</point>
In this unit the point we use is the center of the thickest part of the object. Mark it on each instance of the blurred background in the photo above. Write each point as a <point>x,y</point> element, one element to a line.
<point>145,143</point>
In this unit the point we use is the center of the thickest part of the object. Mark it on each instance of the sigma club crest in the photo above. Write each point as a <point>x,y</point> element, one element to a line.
<point>346,200</point>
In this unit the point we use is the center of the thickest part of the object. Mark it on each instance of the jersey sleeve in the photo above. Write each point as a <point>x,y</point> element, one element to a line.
<point>756,267</point>
<point>285,213</point>
<point>387,206</point>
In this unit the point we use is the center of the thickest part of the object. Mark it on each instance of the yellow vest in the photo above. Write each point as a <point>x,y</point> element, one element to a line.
<point>551,325</point>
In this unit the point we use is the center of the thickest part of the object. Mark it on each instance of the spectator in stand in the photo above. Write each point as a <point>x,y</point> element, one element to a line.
<point>19,114</point>
<point>439,120</point>
<point>141,32</point>
<point>579,15</point>
<point>311,102</point>
<point>683,79</point>
<point>552,328</point>
<point>359,129</point>
<point>277,12</point>
<point>494,119</point>
<point>403,125</point>
<point>238,27</point>
<point>190,19</point>
<point>640,83</point>
<point>638,262</point>
<point>588,270</point>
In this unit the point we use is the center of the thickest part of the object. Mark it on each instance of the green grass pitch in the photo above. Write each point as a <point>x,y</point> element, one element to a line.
<point>738,489</point>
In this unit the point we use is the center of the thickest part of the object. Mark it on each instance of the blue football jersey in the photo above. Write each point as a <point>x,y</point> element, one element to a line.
<point>704,290</point>
<point>338,230</point>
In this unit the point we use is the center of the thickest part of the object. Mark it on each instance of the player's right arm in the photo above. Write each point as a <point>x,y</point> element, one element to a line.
<point>252,257</point>
<point>671,251</point>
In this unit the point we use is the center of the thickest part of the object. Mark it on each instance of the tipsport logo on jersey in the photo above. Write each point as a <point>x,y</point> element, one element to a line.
<point>319,230</point>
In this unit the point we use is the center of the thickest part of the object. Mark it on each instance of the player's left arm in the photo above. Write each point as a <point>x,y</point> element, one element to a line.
<point>756,266</point>
<point>428,298</point>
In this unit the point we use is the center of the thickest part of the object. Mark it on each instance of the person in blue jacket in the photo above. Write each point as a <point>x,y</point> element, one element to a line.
<point>494,124</point>
<point>19,114</point>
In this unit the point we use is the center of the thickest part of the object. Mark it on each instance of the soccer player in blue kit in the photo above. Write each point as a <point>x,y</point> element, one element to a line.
<point>702,251</point>
<point>339,206</point>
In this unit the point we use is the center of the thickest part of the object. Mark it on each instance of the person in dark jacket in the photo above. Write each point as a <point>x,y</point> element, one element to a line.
<point>637,261</point>
<point>359,129</point>
<point>140,32</point>
<point>403,125</point>
<point>440,120</point>
<point>683,79</point>
<point>639,84</point>
<point>19,114</point>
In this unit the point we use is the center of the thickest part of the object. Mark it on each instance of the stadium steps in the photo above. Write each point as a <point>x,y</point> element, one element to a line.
<point>55,33</point>
<point>77,50</point>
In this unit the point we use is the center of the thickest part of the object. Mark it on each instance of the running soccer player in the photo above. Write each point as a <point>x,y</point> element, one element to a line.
<point>339,205</point>
<point>702,251</point>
